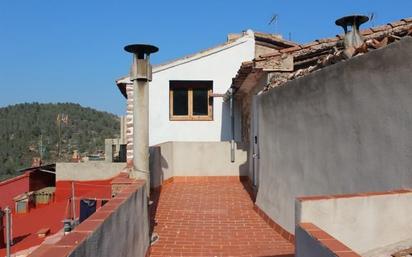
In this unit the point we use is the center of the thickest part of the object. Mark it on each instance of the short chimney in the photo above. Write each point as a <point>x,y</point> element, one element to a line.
<point>141,74</point>
<point>36,162</point>
<point>350,24</point>
<point>233,36</point>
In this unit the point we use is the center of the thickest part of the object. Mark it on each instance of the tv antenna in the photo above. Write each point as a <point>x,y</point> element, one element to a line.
<point>372,16</point>
<point>274,20</point>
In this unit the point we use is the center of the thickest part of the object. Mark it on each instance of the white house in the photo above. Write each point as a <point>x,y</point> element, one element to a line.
<point>185,94</point>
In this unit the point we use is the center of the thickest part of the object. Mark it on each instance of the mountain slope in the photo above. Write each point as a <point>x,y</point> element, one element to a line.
<point>27,128</point>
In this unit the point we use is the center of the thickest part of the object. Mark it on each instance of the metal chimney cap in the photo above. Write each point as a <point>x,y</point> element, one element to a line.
<point>141,48</point>
<point>351,20</point>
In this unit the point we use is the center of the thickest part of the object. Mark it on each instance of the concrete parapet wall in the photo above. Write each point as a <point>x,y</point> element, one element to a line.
<point>312,241</point>
<point>175,159</point>
<point>363,222</point>
<point>93,170</point>
<point>343,129</point>
<point>119,228</point>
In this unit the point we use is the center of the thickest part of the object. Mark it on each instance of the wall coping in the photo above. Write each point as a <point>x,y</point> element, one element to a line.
<point>327,241</point>
<point>274,225</point>
<point>68,243</point>
<point>11,180</point>
<point>364,194</point>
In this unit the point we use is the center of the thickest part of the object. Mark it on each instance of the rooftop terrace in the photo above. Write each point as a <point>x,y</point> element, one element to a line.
<point>211,216</point>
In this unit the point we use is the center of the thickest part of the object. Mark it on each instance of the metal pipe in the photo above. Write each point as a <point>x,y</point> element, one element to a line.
<point>73,205</point>
<point>232,124</point>
<point>47,171</point>
<point>7,211</point>
<point>353,37</point>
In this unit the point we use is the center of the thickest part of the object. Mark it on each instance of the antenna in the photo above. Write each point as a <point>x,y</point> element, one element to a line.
<point>372,16</point>
<point>274,20</point>
<point>41,147</point>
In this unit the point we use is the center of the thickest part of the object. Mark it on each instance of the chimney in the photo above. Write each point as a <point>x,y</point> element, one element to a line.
<point>141,74</point>
<point>36,162</point>
<point>233,36</point>
<point>353,39</point>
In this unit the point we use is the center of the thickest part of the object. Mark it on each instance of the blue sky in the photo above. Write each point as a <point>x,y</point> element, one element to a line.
<point>72,51</point>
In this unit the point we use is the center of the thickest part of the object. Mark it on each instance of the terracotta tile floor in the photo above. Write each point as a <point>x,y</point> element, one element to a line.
<point>212,219</point>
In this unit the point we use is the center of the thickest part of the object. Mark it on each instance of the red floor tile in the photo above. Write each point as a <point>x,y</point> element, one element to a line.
<point>212,219</point>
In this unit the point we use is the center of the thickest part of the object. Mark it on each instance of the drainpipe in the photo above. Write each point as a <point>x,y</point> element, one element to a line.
<point>232,126</point>
<point>7,212</point>
<point>140,75</point>
<point>73,205</point>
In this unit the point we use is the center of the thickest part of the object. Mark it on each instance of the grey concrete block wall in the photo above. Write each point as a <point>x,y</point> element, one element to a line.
<point>93,170</point>
<point>125,233</point>
<point>343,129</point>
<point>161,163</point>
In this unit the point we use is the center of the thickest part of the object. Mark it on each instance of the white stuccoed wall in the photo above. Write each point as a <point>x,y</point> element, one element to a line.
<point>171,159</point>
<point>364,223</point>
<point>219,64</point>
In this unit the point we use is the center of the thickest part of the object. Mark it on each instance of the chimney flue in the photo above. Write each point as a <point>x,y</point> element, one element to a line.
<point>350,24</point>
<point>140,75</point>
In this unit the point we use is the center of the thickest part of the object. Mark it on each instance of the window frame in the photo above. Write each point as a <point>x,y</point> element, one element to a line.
<point>190,85</point>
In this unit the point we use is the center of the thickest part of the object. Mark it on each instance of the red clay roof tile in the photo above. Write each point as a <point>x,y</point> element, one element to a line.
<point>381,28</point>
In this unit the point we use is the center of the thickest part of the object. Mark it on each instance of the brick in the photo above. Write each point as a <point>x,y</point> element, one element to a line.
<point>313,197</point>
<point>347,254</point>
<point>346,195</point>
<point>334,245</point>
<point>72,239</point>
<point>212,216</point>
<point>100,215</point>
<point>54,251</point>
<point>320,234</point>
<point>308,226</point>
<point>88,225</point>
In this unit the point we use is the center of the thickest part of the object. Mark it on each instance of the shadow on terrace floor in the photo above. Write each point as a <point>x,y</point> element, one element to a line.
<point>247,185</point>
<point>154,198</point>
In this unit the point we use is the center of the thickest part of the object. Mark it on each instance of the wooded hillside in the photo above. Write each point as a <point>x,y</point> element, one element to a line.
<point>32,129</point>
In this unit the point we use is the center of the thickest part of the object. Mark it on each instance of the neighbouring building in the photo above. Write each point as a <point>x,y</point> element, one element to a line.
<point>186,95</point>
<point>32,179</point>
<point>269,71</point>
<point>326,118</point>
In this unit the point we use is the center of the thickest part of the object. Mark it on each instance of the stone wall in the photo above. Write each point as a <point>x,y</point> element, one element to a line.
<point>93,170</point>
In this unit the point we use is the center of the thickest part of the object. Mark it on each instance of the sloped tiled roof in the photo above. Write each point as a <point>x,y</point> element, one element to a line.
<point>273,41</point>
<point>323,52</point>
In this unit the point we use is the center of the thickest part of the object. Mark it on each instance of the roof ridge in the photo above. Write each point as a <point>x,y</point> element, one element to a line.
<point>389,27</point>
<point>209,50</point>
<point>277,37</point>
